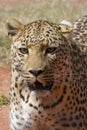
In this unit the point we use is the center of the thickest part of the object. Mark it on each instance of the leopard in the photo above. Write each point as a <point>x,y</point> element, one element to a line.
<point>49,78</point>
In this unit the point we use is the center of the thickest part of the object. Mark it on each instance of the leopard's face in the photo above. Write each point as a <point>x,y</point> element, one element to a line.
<point>39,54</point>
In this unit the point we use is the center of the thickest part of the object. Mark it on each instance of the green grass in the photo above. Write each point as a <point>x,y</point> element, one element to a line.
<point>3,100</point>
<point>52,10</point>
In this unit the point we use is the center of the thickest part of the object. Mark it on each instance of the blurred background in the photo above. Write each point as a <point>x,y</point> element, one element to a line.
<point>29,10</point>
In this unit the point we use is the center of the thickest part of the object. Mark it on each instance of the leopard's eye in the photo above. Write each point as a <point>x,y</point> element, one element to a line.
<point>23,50</point>
<point>50,50</point>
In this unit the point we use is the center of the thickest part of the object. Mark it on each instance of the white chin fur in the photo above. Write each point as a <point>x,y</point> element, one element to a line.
<point>37,93</point>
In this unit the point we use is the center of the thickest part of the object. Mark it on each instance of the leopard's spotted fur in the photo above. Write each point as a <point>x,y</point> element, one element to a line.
<point>49,78</point>
<point>80,33</point>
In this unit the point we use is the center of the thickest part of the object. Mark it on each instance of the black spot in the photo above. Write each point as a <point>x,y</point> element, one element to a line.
<point>47,35</point>
<point>42,116</point>
<point>74,124</point>
<point>14,94</point>
<point>16,78</point>
<point>35,107</point>
<point>70,102</point>
<point>79,109</point>
<point>77,117</point>
<point>40,105</point>
<point>66,79</point>
<point>63,119</point>
<point>54,38</point>
<point>76,109</point>
<point>70,119</point>
<point>16,109</point>
<point>56,122</point>
<point>80,124</point>
<point>17,117</point>
<point>71,113</point>
<point>64,90</point>
<point>68,98</point>
<point>21,95</point>
<point>16,85</point>
<point>30,105</point>
<point>66,106</point>
<point>19,123</point>
<point>27,98</point>
<point>65,125</point>
<point>39,112</point>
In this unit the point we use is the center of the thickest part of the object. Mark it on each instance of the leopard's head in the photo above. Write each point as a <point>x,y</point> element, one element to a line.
<point>40,53</point>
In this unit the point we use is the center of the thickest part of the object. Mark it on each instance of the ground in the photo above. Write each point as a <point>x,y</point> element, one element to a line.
<point>4,88</point>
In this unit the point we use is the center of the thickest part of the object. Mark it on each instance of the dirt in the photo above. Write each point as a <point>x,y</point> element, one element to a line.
<point>4,118</point>
<point>4,89</point>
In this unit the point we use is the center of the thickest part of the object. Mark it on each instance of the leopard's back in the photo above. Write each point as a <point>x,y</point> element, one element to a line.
<point>80,33</point>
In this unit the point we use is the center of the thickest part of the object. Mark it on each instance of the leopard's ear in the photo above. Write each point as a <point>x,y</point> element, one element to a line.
<point>66,28</point>
<point>13,26</point>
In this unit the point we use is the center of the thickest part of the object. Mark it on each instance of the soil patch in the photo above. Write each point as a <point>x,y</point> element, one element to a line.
<point>4,89</point>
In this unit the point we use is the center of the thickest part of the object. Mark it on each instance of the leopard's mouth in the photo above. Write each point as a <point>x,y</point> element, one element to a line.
<point>38,86</point>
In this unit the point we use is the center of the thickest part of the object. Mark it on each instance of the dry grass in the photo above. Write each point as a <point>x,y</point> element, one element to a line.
<point>52,10</point>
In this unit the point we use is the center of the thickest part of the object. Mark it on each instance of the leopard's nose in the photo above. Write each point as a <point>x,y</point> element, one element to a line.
<point>36,72</point>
